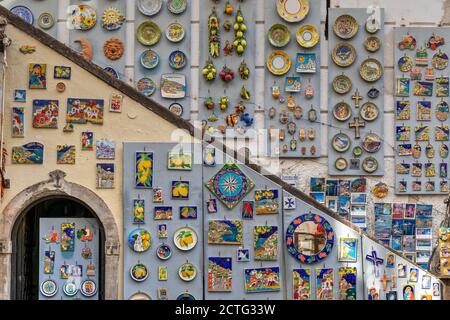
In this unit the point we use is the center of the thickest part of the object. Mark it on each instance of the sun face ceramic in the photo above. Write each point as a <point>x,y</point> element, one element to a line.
<point>112,19</point>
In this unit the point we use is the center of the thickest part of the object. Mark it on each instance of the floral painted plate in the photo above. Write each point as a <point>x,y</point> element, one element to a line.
<point>149,7</point>
<point>139,272</point>
<point>371,143</point>
<point>175,32</point>
<point>140,296</point>
<point>342,84</point>
<point>164,252</point>
<point>24,13</point>
<point>83,17</point>
<point>279,35</point>
<point>342,111</point>
<point>341,142</point>
<point>371,70</point>
<point>149,59</point>
<point>279,63</point>
<point>341,164</point>
<point>146,86</point>
<point>46,21</point>
<point>148,33</point>
<point>344,54</point>
<point>370,165</point>
<point>372,44</point>
<point>345,27</point>
<point>307,36</point>
<point>88,288</point>
<point>70,289</point>
<point>49,288</point>
<point>293,10</point>
<point>139,240</point>
<point>176,6</point>
<point>185,238</point>
<point>369,111</point>
<point>177,60</point>
<point>176,109</point>
<point>187,272</point>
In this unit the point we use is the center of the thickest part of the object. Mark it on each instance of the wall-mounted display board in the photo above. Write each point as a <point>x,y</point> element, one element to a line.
<point>227,67</point>
<point>421,110</point>
<point>162,217</point>
<point>292,79</point>
<point>243,231</point>
<point>69,259</point>
<point>356,92</point>
<point>162,68</point>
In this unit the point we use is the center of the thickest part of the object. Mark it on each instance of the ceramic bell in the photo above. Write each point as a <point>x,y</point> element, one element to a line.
<point>291,103</point>
<point>302,134</point>
<point>311,134</point>
<point>309,92</point>
<point>298,112</point>
<point>312,114</point>
<point>275,91</point>
<point>293,145</point>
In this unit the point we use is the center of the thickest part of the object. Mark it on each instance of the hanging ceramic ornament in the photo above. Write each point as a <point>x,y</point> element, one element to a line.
<point>291,104</point>
<point>291,128</point>
<point>309,91</point>
<point>285,148</point>
<point>223,103</point>
<point>298,112</point>
<point>88,288</point>
<point>209,103</point>
<point>228,8</point>
<point>430,75</point>
<point>341,164</point>
<point>407,42</point>
<point>373,93</point>
<point>70,288</point>
<point>342,84</point>
<point>443,151</point>
<point>164,252</point>
<point>435,42</point>
<point>421,57</point>
<point>293,144</point>
<point>370,165</point>
<point>381,190</point>
<point>312,114</point>
<point>416,151</point>
<point>342,111</point>
<point>86,253</point>
<point>272,112</point>
<point>90,270</point>
<point>112,19</point>
<point>240,29</point>
<point>442,111</point>
<point>345,27</point>
<point>187,272</point>
<point>177,6</point>
<point>372,44</point>
<point>307,36</point>
<point>429,151</point>
<point>405,64</point>
<point>416,73</point>
<point>214,37</point>
<point>49,288</point>
<point>311,134</point>
<point>209,71</point>
<point>244,71</point>
<point>284,116</point>
<point>175,32</point>
<point>341,142</point>
<point>440,60</point>
<point>275,91</point>
<point>302,134</point>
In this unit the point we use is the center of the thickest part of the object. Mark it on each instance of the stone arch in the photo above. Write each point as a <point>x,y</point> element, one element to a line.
<point>57,186</point>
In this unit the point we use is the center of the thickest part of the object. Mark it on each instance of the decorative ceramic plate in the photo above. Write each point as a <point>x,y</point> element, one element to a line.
<point>372,43</point>
<point>112,71</point>
<point>177,60</point>
<point>176,6</point>
<point>357,151</point>
<point>175,32</point>
<point>373,25</point>
<point>341,142</point>
<point>370,165</point>
<point>371,70</point>
<point>164,252</point>
<point>88,288</point>
<point>46,21</point>
<point>344,54</point>
<point>279,63</point>
<point>70,288</point>
<point>307,36</point>
<point>381,190</point>
<point>139,240</point>
<point>185,238</point>
<point>345,27</point>
<point>112,19</point>
<point>405,64</point>
<point>146,86</point>
<point>185,296</point>
<point>341,164</point>
<point>24,13</point>
<point>149,59</point>
<point>293,10</point>
<point>371,143</point>
<point>140,296</point>
<point>83,17</point>
<point>342,84</point>
<point>148,33</point>
<point>173,86</point>
<point>279,35</point>
<point>187,272</point>
<point>139,272</point>
<point>149,7</point>
<point>49,288</point>
<point>176,109</point>
<point>369,111</point>
<point>342,111</point>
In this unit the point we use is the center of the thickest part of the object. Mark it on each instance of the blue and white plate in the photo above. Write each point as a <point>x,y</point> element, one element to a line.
<point>23,12</point>
<point>149,59</point>
<point>177,60</point>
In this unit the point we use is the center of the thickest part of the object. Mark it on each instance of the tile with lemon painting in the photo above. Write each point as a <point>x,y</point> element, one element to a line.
<point>144,170</point>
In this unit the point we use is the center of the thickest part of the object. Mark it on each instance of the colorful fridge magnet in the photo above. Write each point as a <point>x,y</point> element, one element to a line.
<point>185,238</point>
<point>139,240</point>
<point>403,87</point>
<point>85,110</point>
<point>401,270</point>
<point>403,133</point>
<point>325,284</point>
<point>162,213</point>
<point>179,161</point>
<point>116,102</point>
<point>164,252</point>
<point>144,169</point>
<point>293,84</point>
<point>86,253</point>
<point>405,64</point>
<point>157,196</point>
<point>408,292</point>
<point>289,203</point>
<point>243,255</point>
<point>265,243</point>
<point>403,110</point>
<point>407,42</point>
<point>180,190</point>
<point>30,153</point>
<point>20,95</point>
<point>440,60</point>
<point>45,114</point>
<point>162,294</point>
<point>209,156</point>
<point>188,212</point>
<point>422,133</point>
<point>87,141</point>
<point>347,283</point>
<point>187,272</point>
<point>262,279</point>
<point>105,175</point>
<point>301,284</point>
<point>85,234</point>
<point>225,232</point>
<point>442,111</point>
<point>423,111</point>
<point>306,63</point>
<point>37,73</point>
<point>162,231</point>
<point>267,201</point>
<point>248,208</point>
<point>51,237</point>
<point>49,262</point>
<point>105,149</point>
<point>62,72</point>
<point>65,271</point>
<point>49,288</point>
<point>423,89</point>
<point>138,211</point>
<point>67,237</point>
<point>220,274</point>
<point>88,288</point>
<point>18,122</point>
<point>348,250</point>
<point>441,133</point>
<point>211,206</point>
<point>442,87</point>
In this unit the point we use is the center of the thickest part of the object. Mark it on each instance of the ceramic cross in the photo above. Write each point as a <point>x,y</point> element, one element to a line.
<point>357,97</point>
<point>357,124</point>
<point>375,261</point>
<point>384,280</point>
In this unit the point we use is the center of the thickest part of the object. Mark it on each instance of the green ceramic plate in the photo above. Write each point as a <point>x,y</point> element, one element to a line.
<point>148,33</point>
<point>279,35</point>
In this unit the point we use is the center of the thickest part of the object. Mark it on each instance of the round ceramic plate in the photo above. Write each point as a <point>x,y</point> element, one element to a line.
<point>112,71</point>
<point>372,44</point>
<point>148,33</point>
<point>139,240</point>
<point>149,59</point>
<point>175,32</point>
<point>342,84</point>
<point>24,13</point>
<point>176,109</point>
<point>185,238</point>
<point>139,296</point>
<point>279,35</point>
<point>342,111</point>
<point>70,289</point>
<point>139,272</point>
<point>185,296</point>
<point>49,288</point>
<point>405,64</point>
<point>279,63</point>
<point>345,27</point>
<point>293,10</point>
<point>164,252</point>
<point>344,54</point>
<point>341,164</point>
<point>307,36</point>
<point>46,21</point>
<point>381,190</point>
<point>372,25</point>
<point>371,143</point>
<point>176,6</point>
<point>341,142</point>
<point>146,86</point>
<point>149,7</point>
<point>357,151</point>
<point>88,288</point>
<point>370,165</point>
<point>369,111</point>
<point>371,70</point>
<point>187,272</point>
<point>83,17</point>
<point>177,60</point>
